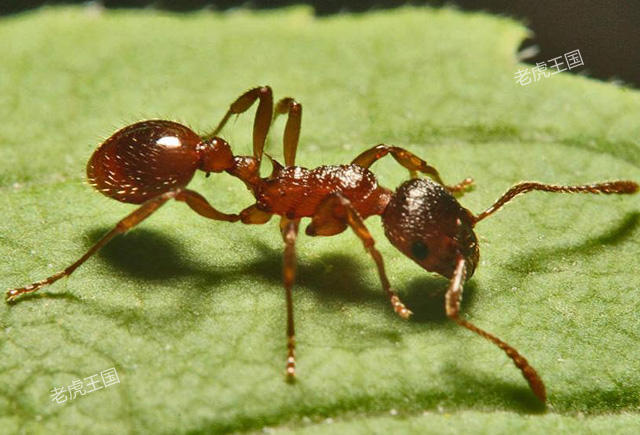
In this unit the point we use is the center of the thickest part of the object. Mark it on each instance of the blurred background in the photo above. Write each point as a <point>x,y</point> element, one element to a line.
<point>607,32</point>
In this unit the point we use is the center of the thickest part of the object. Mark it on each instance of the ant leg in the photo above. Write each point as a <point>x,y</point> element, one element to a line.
<point>329,219</point>
<point>620,187</point>
<point>411,162</point>
<point>293,109</point>
<point>123,226</point>
<point>337,208</point>
<point>289,229</point>
<point>452,305</point>
<point>262,120</point>
<point>201,206</point>
<point>253,215</point>
<point>196,201</point>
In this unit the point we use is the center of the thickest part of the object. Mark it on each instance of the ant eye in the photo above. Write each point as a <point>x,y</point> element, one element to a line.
<point>419,250</point>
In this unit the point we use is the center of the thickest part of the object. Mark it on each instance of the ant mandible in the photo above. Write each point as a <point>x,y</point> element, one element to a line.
<point>151,162</point>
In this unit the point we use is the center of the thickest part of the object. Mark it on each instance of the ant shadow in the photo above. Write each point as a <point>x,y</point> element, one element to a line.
<point>333,279</point>
<point>425,297</point>
<point>152,256</point>
<point>538,259</point>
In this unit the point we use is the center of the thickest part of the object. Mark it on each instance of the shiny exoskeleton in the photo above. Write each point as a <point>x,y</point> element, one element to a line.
<point>151,162</point>
<point>148,158</point>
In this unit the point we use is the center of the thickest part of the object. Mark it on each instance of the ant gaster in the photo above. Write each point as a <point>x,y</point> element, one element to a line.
<point>151,162</point>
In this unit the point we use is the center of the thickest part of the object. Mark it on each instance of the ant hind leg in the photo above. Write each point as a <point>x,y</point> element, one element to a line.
<point>133,219</point>
<point>262,121</point>
<point>201,206</point>
<point>196,201</point>
<point>293,109</point>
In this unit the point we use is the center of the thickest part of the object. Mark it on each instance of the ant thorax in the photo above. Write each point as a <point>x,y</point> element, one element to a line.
<point>296,192</point>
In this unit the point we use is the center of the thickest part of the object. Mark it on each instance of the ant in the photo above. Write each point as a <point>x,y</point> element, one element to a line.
<point>151,162</point>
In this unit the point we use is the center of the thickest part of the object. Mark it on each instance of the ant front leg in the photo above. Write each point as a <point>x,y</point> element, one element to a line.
<point>452,305</point>
<point>289,229</point>
<point>262,120</point>
<point>193,199</point>
<point>293,109</point>
<point>411,162</point>
<point>332,217</point>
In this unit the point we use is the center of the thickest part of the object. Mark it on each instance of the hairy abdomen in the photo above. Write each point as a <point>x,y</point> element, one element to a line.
<point>142,161</point>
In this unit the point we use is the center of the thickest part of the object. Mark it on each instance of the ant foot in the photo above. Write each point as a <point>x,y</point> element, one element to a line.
<point>11,295</point>
<point>291,369</point>
<point>463,186</point>
<point>400,308</point>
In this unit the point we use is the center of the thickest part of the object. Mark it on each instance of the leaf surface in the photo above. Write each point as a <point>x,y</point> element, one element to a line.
<point>191,312</point>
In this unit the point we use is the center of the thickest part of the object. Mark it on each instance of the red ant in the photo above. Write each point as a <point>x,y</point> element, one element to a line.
<point>151,162</point>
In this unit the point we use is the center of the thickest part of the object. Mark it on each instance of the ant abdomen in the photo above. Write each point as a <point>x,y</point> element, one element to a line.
<point>144,160</point>
<point>426,223</point>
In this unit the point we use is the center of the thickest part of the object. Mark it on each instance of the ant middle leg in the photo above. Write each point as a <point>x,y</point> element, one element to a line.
<point>453,298</point>
<point>610,187</point>
<point>254,216</point>
<point>289,230</point>
<point>332,217</point>
<point>293,109</point>
<point>411,162</point>
<point>196,201</point>
<point>262,121</point>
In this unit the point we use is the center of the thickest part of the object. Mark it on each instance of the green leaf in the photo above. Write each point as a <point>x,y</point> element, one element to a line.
<point>191,312</point>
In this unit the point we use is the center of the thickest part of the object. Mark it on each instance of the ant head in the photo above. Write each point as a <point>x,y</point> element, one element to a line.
<point>428,225</point>
<point>215,155</point>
